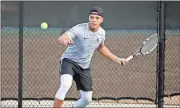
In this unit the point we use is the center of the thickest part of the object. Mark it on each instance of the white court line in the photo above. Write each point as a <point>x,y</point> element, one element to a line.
<point>47,103</point>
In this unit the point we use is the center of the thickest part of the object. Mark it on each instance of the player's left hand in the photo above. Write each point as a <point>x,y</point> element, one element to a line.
<point>122,61</point>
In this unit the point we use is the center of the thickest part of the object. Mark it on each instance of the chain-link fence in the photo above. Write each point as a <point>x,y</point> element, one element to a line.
<point>172,58</point>
<point>127,24</point>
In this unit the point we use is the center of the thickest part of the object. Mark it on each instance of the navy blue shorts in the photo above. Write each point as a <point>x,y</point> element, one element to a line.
<point>82,77</point>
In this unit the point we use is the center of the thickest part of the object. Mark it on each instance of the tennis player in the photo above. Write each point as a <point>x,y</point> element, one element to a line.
<point>81,41</point>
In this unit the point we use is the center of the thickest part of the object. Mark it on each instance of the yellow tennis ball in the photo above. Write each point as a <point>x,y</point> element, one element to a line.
<point>44,25</point>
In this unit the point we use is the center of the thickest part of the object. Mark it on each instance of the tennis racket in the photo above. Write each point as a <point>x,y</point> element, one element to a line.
<point>146,47</point>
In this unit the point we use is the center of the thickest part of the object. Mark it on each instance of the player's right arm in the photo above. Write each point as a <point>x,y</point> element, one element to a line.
<point>67,37</point>
<point>64,39</point>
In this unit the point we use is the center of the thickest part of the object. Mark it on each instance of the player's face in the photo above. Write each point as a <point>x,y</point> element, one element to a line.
<point>95,21</point>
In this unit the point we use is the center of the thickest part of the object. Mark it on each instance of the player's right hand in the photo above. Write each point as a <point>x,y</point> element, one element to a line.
<point>68,42</point>
<point>65,40</point>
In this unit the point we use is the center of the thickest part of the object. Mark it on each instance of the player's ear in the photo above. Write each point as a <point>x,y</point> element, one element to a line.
<point>102,19</point>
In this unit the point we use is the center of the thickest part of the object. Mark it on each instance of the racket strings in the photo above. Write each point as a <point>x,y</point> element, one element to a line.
<point>149,45</point>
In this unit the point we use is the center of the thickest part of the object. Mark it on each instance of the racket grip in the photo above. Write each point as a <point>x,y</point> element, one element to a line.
<point>129,58</point>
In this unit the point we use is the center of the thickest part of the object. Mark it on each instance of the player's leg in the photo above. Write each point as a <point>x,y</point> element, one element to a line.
<point>83,81</point>
<point>66,82</point>
<point>86,98</point>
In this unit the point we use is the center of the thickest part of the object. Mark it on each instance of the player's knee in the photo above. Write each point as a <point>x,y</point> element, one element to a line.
<point>66,82</point>
<point>66,85</point>
<point>87,99</point>
<point>86,96</point>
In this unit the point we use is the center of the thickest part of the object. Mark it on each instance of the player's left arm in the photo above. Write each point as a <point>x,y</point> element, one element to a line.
<point>103,50</point>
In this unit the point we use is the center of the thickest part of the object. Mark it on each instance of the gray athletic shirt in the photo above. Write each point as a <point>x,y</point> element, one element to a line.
<point>85,42</point>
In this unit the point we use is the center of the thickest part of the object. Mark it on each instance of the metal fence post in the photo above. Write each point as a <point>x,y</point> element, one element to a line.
<point>20,79</point>
<point>161,54</point>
